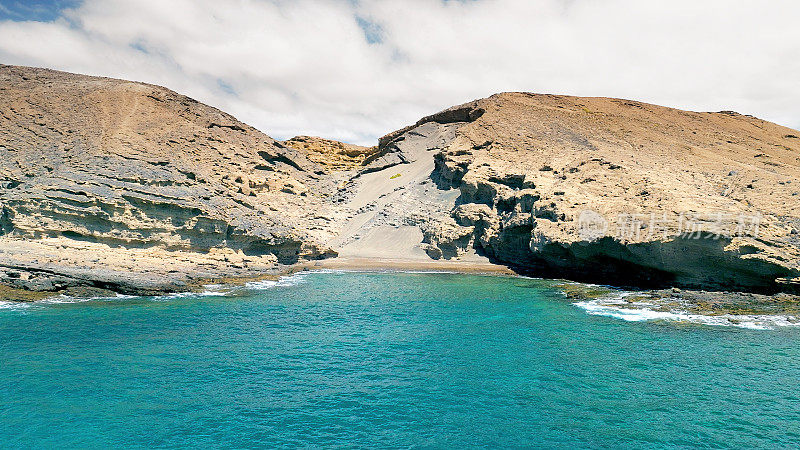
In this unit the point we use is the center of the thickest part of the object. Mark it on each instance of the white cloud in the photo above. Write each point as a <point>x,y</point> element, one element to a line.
<point>308,67</point>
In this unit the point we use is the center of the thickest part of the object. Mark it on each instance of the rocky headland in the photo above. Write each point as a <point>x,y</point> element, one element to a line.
<point>134,188</point>
<point>110,185</point>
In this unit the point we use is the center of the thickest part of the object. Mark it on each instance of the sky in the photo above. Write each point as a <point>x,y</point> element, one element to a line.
<point>354,70</point>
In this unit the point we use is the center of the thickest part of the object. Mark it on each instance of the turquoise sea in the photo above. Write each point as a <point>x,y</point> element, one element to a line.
<point>387,360</point>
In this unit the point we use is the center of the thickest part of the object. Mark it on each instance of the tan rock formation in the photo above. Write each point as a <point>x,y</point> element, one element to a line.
<point>607,189</point>
<point>134,166</point>
<point>332,154</point>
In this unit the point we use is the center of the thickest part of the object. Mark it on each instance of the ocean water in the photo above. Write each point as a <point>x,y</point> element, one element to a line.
<point>387,360</point>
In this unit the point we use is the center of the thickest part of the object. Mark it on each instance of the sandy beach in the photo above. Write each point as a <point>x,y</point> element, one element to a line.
<point>370,264</point>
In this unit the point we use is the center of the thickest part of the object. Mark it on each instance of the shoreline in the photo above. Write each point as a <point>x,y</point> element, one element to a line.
<point>738,309</point>
<point>133,283</point>
<point>599,297</point>
<point>403,265</point>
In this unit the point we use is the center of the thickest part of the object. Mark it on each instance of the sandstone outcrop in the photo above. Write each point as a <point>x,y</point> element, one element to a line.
<point>133,166</point>
<point>618,192</point>
<point>333,155</point>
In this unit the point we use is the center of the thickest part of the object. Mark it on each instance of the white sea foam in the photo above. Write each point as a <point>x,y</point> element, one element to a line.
<point>206,293</point>
<point>617,307</point>
<point>284,281</point>
<point>59,299</point>
<point>415,271</point>
<point>14,305</point>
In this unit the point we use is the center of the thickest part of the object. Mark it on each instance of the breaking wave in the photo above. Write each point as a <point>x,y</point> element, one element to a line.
<point>284,281</point>
<point>617,307</point>
<point>60,299</point>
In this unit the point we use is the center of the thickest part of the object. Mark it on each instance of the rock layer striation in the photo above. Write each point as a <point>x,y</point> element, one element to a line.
<point>619,192</point>
<point>133,166</point>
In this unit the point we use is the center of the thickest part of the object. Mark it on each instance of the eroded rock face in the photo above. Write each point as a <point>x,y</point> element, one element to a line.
<point>332,155</point>
<point>623,192</point>
<point>131,165</point>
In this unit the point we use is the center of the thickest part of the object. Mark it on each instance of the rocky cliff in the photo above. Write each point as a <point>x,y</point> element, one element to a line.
<point>616,191</point>
<point>131,187</point>
<point>103,166</point>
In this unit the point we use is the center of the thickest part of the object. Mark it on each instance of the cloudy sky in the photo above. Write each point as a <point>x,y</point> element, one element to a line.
<point>356,69</point>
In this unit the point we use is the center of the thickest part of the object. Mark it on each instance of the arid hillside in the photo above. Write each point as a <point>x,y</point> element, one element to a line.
<point>102,166</point>
<point>620,191</point>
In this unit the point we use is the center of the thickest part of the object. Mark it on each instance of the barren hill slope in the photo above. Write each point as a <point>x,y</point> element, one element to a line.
<point>612,190</point>
<point>101,165</point>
